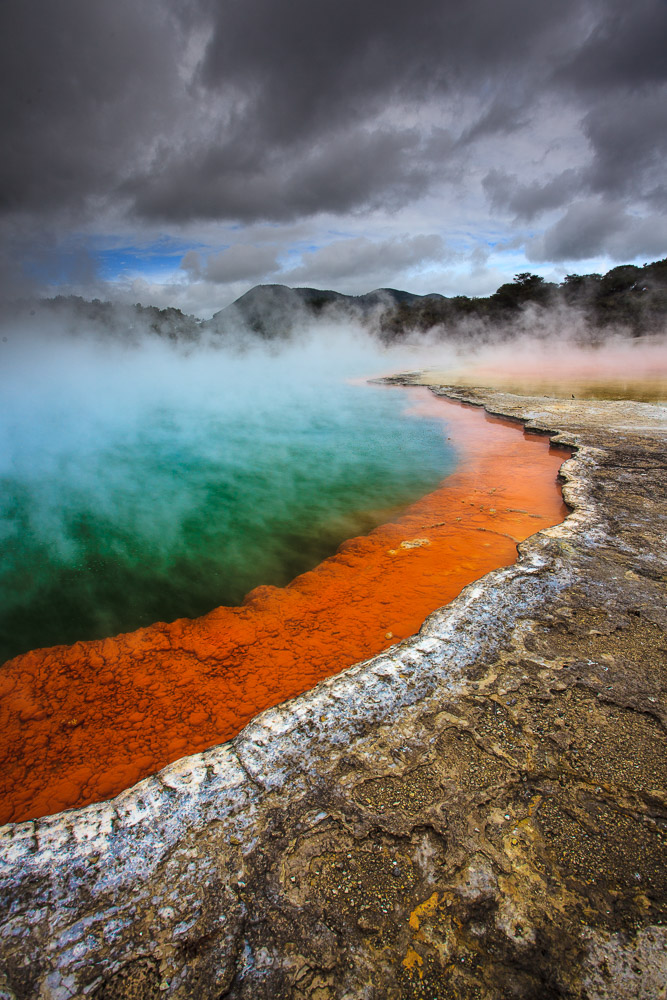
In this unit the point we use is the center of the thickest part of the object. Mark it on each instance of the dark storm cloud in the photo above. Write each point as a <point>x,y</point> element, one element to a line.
<point>625,48</point>
<point>628,134</point>
<point>307,88</point>
<point>596,227</point>
<point>315,65</point>
<point>616,74</point>
<point>528,200</point>
<point>338,173</point>
<point>94,97</point>
<point>84,90</point>
<point>181,110</point>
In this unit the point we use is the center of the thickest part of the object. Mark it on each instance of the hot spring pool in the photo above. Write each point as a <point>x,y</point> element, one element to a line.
<point>143,484</point>
<point>143,492</point>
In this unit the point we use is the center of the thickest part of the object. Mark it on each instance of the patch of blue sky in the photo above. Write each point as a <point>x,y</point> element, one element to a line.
<point>112,258</point>
<point>159,258</point>
<point>130,262</point>
<point>303,248</point>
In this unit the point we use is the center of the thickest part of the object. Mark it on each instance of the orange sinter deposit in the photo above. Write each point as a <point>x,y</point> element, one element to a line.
<point>80,723</point>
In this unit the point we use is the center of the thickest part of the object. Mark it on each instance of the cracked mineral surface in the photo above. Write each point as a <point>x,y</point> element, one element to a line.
<point>478,812</point>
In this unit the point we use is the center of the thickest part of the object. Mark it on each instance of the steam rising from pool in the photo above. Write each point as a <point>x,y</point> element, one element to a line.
<point>143,479</point>
<point>143,483</point>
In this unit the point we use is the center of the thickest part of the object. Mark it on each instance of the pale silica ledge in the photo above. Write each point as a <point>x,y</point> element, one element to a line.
<point>479,812</point>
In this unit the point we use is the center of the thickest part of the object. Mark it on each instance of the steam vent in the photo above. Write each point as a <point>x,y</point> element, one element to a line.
<point>476,809</point>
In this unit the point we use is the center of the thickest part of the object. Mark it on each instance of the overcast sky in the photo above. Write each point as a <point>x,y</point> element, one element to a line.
<point>178,152</point>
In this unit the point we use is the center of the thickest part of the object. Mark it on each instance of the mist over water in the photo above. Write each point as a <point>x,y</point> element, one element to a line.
<point>143,483</point>
<point>146,479</point>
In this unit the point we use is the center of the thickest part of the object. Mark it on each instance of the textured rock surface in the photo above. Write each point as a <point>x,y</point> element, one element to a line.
<point>480,812</point>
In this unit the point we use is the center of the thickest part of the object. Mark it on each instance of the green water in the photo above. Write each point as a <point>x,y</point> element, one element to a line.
<point>154,486</point>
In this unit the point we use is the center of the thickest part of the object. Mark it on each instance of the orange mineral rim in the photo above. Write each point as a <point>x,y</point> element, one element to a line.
<point>80,723</point>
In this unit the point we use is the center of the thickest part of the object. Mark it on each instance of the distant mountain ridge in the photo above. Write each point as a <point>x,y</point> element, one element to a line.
<point>271,311</point>
<point>627,296</point>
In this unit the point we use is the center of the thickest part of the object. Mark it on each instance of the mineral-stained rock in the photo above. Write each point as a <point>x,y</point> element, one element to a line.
<point>479,812</point>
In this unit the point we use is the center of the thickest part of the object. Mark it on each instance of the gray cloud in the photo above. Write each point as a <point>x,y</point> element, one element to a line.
<point>348,258</point>
<point>595,227</point>
<point>307,89</point>
<point>167,113</point>
<point>628,134</point>
<point>107,101</point>
<point>528,200</point>
<point>364,167</point>
<point>237,263</point>
<point>624,48</point>
<point>85,91</point>
<point>303,61</point>
<point>500,118</point>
